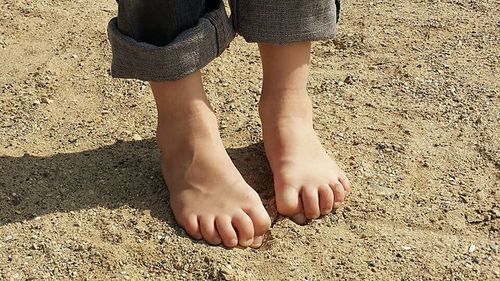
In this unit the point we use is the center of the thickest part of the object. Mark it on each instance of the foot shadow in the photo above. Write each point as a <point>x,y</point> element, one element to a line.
<point>125,173</point>
<point>252,163</point>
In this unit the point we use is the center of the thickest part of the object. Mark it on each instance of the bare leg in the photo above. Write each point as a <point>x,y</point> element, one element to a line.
<point>308,183</point>
<point>209,197</point>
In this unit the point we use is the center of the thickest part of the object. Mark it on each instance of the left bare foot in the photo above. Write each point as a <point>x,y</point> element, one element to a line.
<point>308,182</point>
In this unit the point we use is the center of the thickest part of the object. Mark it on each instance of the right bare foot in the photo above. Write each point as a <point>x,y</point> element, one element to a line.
<point>209,197</point>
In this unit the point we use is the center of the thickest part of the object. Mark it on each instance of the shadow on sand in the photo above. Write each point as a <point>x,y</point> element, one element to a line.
<point>125,173</point>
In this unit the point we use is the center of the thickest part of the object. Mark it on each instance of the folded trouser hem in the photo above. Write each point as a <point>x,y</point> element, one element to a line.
<point>187,53</point>
<point>285,21</point>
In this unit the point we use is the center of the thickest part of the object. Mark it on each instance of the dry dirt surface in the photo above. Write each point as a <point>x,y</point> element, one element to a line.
<point>406,98</point>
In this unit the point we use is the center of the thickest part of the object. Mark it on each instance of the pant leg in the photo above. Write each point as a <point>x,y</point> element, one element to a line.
<point>285,21</point>
<point>158,22</point>
<point>159,40</point>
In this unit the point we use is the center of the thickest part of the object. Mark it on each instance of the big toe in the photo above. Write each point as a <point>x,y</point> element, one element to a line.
<point>288,201</point>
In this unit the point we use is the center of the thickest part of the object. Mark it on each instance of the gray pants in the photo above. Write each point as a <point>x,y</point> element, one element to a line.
<point>161,40</point>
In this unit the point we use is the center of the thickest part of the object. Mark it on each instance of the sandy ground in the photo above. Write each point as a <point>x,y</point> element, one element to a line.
<point>406,98</point>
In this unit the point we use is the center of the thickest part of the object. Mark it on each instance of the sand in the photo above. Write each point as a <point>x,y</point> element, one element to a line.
<point>406,99</point>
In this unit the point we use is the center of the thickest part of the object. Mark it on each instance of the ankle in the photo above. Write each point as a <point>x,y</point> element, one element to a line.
<point>187,111</point>
<point>186,132</point>
<point>182,102</point>
<point>287,105</point>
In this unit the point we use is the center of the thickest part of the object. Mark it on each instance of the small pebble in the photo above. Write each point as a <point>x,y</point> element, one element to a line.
<point>137,137</point>
<point>406,248</point>
<point>472,248</point>
<point>47,100</point>
<point>349,80</point>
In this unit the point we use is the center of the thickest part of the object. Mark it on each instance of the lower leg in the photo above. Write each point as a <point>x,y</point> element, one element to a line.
<point>209,197</point>
<point>308,183</point>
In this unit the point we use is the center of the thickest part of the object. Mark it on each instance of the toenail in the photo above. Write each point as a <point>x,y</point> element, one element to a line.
<point>299,219</point>
<point>257,242</point>
<point>312,216</point>
<point>247,242</point>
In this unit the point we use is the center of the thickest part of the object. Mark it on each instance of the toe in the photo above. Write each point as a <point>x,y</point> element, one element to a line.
<point>260,219</point>
<point>310,201</point>
<point>299,219</point>
<point>345,183</point>
<point>338,194</point>
<point>192,227</point>
<point>208,231</point>
<point>288,201</point>
<point>244,227</point>
<point>226,231</point>
<point>326,199</point>
<point>257,242</point>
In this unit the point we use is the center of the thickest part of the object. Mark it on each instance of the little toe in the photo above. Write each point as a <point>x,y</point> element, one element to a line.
<point>209,232</point>
<point>326,199</point>
<point>345,183</point>
<point>310,201</point>
<point>192,227</point>
<point>244,227</point>
<point>338,194</point>
<point>288,201</point>
<point>226,231</point>
<point>257,242</point>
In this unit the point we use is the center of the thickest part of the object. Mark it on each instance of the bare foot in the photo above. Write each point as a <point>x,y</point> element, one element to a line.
<point>308,183</point>
<point>209,197</point>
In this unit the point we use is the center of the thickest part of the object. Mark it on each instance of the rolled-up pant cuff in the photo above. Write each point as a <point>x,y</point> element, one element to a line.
<point>285,21</point>
<point>187,53</point>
